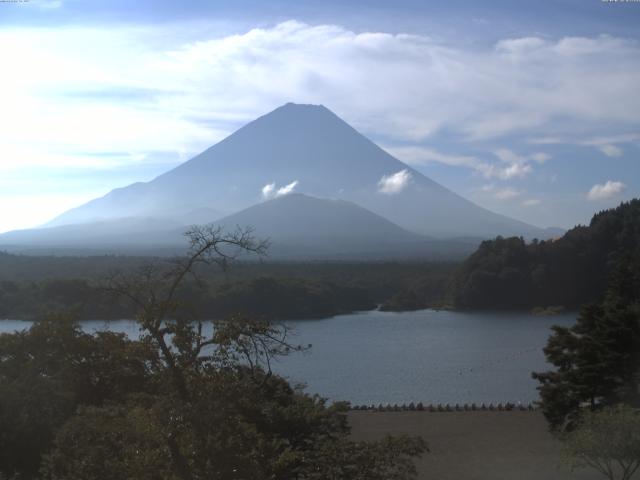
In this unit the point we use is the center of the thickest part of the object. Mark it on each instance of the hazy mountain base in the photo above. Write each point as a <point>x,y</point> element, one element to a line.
<point>452,250</point>
<point>298,227</point>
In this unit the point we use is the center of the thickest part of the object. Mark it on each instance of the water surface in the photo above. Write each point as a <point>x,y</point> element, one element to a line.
<point>428,356</point>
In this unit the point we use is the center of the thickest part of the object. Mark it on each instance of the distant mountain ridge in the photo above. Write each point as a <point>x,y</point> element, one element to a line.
<point>327,157</point>
<point>119,232</point>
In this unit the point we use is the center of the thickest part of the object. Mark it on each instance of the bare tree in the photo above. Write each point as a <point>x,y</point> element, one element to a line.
<point>175,331</point>
<point>153,287</point>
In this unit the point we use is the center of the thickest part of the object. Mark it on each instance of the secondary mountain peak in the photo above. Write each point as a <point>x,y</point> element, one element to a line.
<point>297,215</point>
<point>299,225</point>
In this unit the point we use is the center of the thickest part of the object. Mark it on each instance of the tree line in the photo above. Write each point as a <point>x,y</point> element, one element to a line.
<point>509,273</point>
<point>264,297</point>
<point>271,290</point>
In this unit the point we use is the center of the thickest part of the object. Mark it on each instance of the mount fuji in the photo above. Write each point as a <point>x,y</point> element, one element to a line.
<point>295,148</point>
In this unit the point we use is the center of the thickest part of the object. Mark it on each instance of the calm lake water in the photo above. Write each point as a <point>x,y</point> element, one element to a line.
<point>428,356</point>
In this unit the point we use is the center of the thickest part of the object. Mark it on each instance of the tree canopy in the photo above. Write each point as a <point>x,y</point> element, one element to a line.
<point>569,271</point>
<point>597,360</point>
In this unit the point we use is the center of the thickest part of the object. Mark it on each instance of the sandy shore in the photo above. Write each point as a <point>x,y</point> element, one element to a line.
<point>475,445</point>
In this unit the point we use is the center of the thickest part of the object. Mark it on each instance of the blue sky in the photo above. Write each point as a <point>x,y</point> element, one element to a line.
<point>528,108</point>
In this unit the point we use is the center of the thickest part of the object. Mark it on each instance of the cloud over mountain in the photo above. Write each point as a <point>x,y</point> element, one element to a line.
<point>270,191</point>
<point>394,183</point>
<point>606,190</point>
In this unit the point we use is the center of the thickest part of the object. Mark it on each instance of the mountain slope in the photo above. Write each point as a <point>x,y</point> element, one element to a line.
<point>298,216</point>
<point>326,157</point>
<point>297,224</point>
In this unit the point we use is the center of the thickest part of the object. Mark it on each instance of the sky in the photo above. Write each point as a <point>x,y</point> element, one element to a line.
<point>528,108</point>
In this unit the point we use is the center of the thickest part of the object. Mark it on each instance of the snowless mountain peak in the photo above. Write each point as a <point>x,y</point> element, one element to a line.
<point>304,149</point>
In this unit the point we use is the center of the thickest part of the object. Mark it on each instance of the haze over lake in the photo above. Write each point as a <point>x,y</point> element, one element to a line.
<point>427,355</point>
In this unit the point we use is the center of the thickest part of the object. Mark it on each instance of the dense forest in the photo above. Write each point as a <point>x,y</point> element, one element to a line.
<point>509,273</point>
<point>32,286</point>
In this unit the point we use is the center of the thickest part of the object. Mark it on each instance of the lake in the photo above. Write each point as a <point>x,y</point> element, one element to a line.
<point>424,356</point>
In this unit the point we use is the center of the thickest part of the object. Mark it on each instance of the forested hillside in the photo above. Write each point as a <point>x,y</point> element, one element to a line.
<point>508,273</point>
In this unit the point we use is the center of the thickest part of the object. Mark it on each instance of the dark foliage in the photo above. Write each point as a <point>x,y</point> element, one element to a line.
<point>46,373</point>
<point>176,404</point>
<point>508,273</point>
<point>598,359</point>
<point>288,298</point>
<point>429,290</point>
<point>269,290</point>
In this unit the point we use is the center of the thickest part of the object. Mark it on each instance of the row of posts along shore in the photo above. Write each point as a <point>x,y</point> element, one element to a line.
<point>472,407</point>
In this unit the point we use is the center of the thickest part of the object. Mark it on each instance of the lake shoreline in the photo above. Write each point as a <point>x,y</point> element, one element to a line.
<point>537,312</point>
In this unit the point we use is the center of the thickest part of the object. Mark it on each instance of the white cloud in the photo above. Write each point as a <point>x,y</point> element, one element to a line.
<point>577,46</point>
<point>515,170</point>
<point>394,183</point>
<point>540,157</point>
<point>416,155</point>
<point>606,190</point>
<point>405,86</point>
<point>269,190</point>
<point>506,194</point>
<point>508,156</point>
<point>287,189</point>
<point>607,144</point>
<point>532,202</point>
<point>519,46</point>
<point>620,138</point>
<point>610,150</point>
<point>519,165</point>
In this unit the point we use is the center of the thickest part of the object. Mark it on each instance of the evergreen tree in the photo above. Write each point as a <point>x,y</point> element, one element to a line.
<point>598,359</point>
<point>570,271</point>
